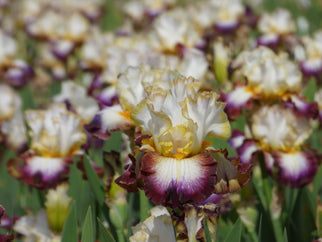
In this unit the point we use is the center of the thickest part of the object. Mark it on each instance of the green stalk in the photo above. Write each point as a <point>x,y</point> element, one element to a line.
<point>276,224</point>
<point>120,235</point>
<point>144,206</point>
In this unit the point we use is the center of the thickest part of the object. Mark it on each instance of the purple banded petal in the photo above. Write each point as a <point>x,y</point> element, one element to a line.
<point>62,49</point>
<point>172,182</point>
<point>227,26</point>
<point>39,172</point>
<point>97,83</point>
<point>231,175</point>
<point>247,152</point>
<point>311,67</point>
<point>93,15</point>
<point>296,169</point>
<point>109,119</point>
<point>237,100</point>
<point>108,96</point>
<point>268,40</point>
<point>19,73</point>
<point>237,139</point>
<point>302,108</point>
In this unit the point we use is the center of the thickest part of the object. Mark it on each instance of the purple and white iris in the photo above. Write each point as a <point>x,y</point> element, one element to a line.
<point>176,165</point>
<point>56,136</point>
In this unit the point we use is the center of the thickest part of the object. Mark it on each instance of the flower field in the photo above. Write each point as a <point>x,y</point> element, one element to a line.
<point>160,120</point>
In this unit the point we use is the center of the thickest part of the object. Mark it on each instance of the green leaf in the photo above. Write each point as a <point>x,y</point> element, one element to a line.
<point>131,213</point>
<point>80,190</point>
<point>303,217</point>
<point>291,196</point>
<point>310,90</point>
<point>258,185</point>
<point>105,235</point>
<point>69,233</point>
<point>144,206</point>
<point>285,239</point>
<point>95,182</point>
<point>87,229</point>
<point>260,228</point>
<point>114,142</point>
<point>206,229</point>
<point>235,233</point>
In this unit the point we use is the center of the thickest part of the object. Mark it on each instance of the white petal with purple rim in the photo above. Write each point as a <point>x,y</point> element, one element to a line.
<point>247,150</point>
<point>297,168</point>
<point>49,168</point>
<point>171,181</point>
<point>184,173</point>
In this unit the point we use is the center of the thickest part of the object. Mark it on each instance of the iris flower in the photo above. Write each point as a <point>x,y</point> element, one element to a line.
<point>47,224</point>
<point>278,118</point>
<point>274,27</point>
<point>176,164</point>
<point>56,136</point>
<point>264,77</point>
<point>281,135</point>
<point>130,89</point>
<point>311,65</point>
<point>12,127</point>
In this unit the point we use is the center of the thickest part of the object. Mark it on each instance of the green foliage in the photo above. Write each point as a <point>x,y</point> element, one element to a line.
<point>235,232</point>
<point>88,234</point>
<point>69,233</point>
<point>91,217</point>
<point>105,235</point>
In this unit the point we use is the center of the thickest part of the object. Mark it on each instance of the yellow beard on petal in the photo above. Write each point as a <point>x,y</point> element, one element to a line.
<point>176,142</point>
<point>125,115</point>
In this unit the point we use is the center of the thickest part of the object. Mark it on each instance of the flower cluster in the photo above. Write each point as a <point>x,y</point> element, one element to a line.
<point>183,103</point>
<point>56,136</point>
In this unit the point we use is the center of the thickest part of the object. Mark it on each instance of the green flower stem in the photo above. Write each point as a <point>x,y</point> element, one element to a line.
<point>144,206</point>
<point>120,235</point>
<point>277,226</point>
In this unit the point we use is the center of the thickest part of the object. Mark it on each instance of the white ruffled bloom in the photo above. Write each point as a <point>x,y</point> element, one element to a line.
<point>279,129</point>
<point>157,227</point>
<point>268,73</point>
<point>55,132</point>
<point>279,22</point>
<point>180,118</point>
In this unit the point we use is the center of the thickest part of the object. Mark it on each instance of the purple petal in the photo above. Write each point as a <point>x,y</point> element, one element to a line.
<point>19,74</point>
<point>269,40</point>
<point>237,139</point>
<point>62,49</point>
<point>247,152</point>
<point>302,108</point>
<point>39,172</point>
<point>296,169</point>
<point>237,100</point>
<point>311,67</point>
<point>226,27</point>
<point>172,182</point>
